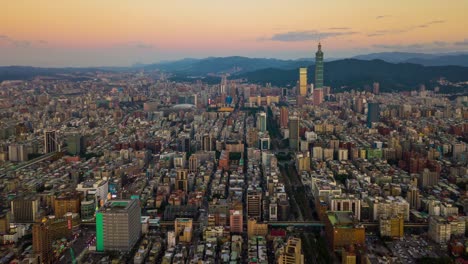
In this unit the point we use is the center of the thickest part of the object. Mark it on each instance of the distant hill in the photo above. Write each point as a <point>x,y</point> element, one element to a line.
<point>353,73</point>
<point>394,57</point>
<point>442,59</point>
<point>339,74</point>
<point>459,60</point>
<point>231,65</point>
<point>27,73</point>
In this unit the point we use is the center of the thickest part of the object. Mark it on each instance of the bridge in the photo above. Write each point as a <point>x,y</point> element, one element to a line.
<point>31,162</point>
<point>307,224</point>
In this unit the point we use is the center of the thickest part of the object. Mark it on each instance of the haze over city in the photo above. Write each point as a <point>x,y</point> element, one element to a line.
<point>52,33</point>
<point>231,132</point>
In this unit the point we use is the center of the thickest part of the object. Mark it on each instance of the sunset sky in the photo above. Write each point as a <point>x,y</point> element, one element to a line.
<point>123,32</point>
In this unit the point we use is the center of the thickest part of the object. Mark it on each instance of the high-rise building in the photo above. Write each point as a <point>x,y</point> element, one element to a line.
<point>413,198</point>
<point>346,203</point>
<point>391,226</point>
<point>96,190</point>
<point>4,223</point>
<point>373,113</point>
<point>376,88</point>
<point>318,96</point>
<point>67,203</point>
<point>300,100</point>
<point>193,163</point>
<point>294,133</point>
<point>252,136</point>
<point>87,210</point>
<point>118,225</point>
<point>183,229</point>
<point>284,117</point>
<point>47,230</point>
<point>439,229</point>
<point>386,207</point>
<point>343,229</point>
<point>223,85</point>
<point>236,221</point>
<point>209,142</point>
<point>254,204</point>
<point>17,152</point>
<point>262,122</point>
<point>256,229</point>
<point>303,81</point>
<point>24,209</point>
<point>291,253</point>
<point>358,104</point>
<point>75,144</point>
<point>182,180</point>
<point>319,67</point>
<point>50,141</point>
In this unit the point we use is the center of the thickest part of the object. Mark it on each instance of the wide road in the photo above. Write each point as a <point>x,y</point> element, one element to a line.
<point>80,244</point>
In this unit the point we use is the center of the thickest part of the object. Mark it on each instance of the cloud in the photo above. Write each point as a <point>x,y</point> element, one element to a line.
<point>382,16</point>
<point>339,28</point>
<point>426,25</point>
<point>143,46</point>
<point>386,32</point>
<point>15,42</point>
<point>399,47</point>
<point>404,30</point>
<point>428,46</point>
<point>134,45</point>
<point>297,36</point>
<point>21,43</point>
<point>461,43</point>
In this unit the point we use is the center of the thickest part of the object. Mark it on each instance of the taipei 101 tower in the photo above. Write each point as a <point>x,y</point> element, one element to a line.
<point>319,67</point>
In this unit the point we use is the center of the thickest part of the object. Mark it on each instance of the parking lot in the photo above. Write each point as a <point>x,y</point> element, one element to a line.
<point>412,247</point>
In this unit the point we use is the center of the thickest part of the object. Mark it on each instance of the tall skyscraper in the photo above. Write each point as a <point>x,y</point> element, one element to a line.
<point>303,81</point>
<point>284,117</point>
<point>50,141</point>
<point>254,204</point>
<point>118,225</point>
<point>17,152</point>
<point>182,180</point>
<point>318,96</point>
<point>294,133</point>
<point>46,230</point>
<point>373,113</point>
<point>236,221</point>
<point>24,209</point>
<point>319,67</point>
<point>65,203</point>
<point>223,85</point>
<point>183,229</point>
<point>262,122</point>
<point>376,88</point>
<point>74,144</point>
<point>291,253</point>
<point>413,198</point>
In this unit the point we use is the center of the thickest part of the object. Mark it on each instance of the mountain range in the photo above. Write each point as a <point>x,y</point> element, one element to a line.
<point>229,65</point>
<point>394,70</point>
<point>356,74</point>
<point>443,59</point>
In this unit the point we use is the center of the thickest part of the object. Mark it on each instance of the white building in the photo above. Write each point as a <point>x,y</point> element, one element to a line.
<point>439,229</point>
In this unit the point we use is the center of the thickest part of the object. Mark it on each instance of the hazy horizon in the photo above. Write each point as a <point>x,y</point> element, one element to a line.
<point>89,33</point>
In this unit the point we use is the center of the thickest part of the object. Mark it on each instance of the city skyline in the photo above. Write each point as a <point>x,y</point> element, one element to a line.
<point>105,33</point>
